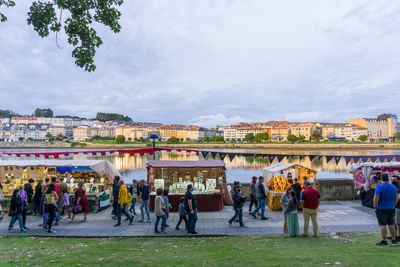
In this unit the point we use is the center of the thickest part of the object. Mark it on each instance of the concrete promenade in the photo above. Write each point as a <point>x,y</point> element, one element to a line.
<point>333,216</point>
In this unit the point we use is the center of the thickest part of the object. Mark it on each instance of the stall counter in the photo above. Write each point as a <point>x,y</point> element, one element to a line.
<point>205,202</point>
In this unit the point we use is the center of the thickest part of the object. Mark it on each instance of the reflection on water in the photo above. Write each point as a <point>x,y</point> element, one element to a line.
<point>239,169</point>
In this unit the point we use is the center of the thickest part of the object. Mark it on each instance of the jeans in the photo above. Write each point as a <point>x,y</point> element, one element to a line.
<point>122,210</point>
<point>261,205</point>
<point>145,204</point>
<point>192,221</point>
<point>253,200</point>
<point>13,219</point>
<point>36,208</point>
<point>52,215</point>
<point>65,208</point>
<point>115,206</point>
<point>307,214</point>
<point>163,223</point>
<point>24,211</point>
<point>45,214</point>
<point>238,213</point>
<point>182,218</point>
<point>132,208</point>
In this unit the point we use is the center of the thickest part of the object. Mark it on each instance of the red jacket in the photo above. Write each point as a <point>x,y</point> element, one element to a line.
<point>57,188</point>
<point>310,196</point>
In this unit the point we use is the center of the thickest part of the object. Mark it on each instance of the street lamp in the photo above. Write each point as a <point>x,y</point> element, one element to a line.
<point>154,137</point>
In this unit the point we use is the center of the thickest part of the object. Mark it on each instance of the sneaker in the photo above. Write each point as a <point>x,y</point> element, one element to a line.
<point>156,232</point>
<point>26,228</point>
<point>167,225</point>
<point>230,223</point>
<point>127,219</point>
<point>382,243</point>
<point>398,239</point>
<point>177,228</point>
<point>118,224</point>
<point>394,243</point>
<point>23,230</point>
<point>254,216</point>
<point>51,231</point>
<point>163,232</point>
<point>194,233</point>
<point>141,220</point>
<point>264,218</point>
<point>131,220</point>
<point>10,229</point>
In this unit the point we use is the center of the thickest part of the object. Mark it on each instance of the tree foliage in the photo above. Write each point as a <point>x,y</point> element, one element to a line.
<point>316,135</point>
<point>101,116</point>
<point>302,138</point>
<point>7,113</point>
<point>249,137</point>
<point>77,19</point>
<point>396,136</point>
<point>43,112</point>
<point>292,138</point>
<point>261,137</point>
<point>120,139</point>
<point>173,140</point>
<point>363,138</point>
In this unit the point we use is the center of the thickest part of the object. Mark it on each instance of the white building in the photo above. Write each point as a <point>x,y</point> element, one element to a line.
<point>343,130</point>
<point>10,132</point>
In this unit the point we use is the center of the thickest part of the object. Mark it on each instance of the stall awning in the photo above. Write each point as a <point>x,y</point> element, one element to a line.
<point>102,167</point>
<point>372,165</point>
<point>186,164</point>
<point>268,172</point>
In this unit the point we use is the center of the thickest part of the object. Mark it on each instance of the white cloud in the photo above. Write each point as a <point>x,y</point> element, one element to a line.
<point>220,119</point>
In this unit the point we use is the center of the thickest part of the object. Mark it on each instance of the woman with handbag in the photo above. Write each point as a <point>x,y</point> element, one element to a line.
<point>51,199</point>
<point>81,202</point>
<point>15,211</point>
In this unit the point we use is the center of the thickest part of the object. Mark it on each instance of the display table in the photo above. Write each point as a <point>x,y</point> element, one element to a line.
<point>274,200</point>
<point>205,202</point>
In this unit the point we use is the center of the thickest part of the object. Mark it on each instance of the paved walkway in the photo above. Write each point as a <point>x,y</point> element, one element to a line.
<point>333,216</point>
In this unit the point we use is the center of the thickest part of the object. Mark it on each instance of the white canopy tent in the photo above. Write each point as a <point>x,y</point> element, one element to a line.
<point>275,169</point>
<point>372,165</point>
<point>102,167</point>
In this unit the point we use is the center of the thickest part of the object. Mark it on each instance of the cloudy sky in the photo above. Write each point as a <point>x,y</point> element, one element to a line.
<point>215,62</point>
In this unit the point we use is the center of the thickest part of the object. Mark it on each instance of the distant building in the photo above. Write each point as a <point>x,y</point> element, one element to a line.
<point>82,133</point>
<point>189,132</point>
<point>136,132</point>
<point>239,131</point>
<point>12,132</point>
<point>303,128</point>
<point>342,130</point>
<point>381,128</point>
<point>55,130</point>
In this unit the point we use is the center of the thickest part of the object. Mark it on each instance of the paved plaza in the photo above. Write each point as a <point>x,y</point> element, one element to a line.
<point>333,216</point>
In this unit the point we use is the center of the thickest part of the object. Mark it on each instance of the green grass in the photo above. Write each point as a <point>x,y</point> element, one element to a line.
<point>349,250</point>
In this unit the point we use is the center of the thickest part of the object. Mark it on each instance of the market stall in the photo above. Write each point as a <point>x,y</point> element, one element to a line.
<point>279,177</point>
<point>365,179</point>
<point>96,175</point>
<point>206,176</point>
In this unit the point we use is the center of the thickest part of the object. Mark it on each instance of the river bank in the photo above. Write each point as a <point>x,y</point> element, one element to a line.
<point>341,146</point>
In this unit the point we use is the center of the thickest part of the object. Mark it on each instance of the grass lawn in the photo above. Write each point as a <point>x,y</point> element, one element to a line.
<point>356,249</point>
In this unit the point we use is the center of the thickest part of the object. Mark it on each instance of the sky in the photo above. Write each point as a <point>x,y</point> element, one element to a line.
<point>215,62</point>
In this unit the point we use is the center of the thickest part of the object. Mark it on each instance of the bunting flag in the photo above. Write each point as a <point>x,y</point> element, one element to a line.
<point>280,157</point>
<point>329,158</point>
<point>204,153</point>
<point>348,159</point>
<point>374,158</point>
<point>231,156</point>
<point>382,158</point>
<point>337,159</point>
<point>222,155</point>
<point>213,154</point>
<point>397,158</point>
<point>302,157</point>
<point>271,158</point>
<point>312,157</point>
<point>364,158</point>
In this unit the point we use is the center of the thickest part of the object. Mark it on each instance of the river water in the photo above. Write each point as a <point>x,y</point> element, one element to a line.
<point>240,168</point>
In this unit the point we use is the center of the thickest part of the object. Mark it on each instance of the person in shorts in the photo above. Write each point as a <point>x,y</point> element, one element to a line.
<point>397,215</point>
<point>385,200</point>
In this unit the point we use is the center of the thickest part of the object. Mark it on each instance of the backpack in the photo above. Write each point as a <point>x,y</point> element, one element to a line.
<point>129,199</point>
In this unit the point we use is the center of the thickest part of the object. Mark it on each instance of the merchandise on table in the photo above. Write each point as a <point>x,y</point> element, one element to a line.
<point>206,176</point>
<point>279,177</point>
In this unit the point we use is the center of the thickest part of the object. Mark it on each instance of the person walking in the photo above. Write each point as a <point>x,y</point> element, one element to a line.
<point>261,198</point>
<point>115,189</point>
<point>134,192</point>
<point>123,202</point>
<point>28,187</point>
<point>167,204</point>
<point>145,191</point>
<point>24,205</point>
<point>182,214</point>
<point>54,181</point>
<point>253,197</point>
<point>65,203</point>
<point>386,198</point>
<point>291,211</point>
<point>15,211</point>
<point>310,203</point>
<point>238,200</point>
<point>82,201</point>
<point>284,202</point>
<point>51,199</point>
<point>191,209</point>
<point>297,188</point>
<point>37,198</point>
<point>159,211</point>
<point>1,200</point>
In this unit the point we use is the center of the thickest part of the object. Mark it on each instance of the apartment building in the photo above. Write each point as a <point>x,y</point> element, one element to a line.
<point>136,132</point>
<point>240,131</point>
<point>12,132</point>
<point>191,132</point>
<point>350,132</point>
<point>303,128</point>
<point>56,130</point>
<point>381,128</point>
<point>41,120</point>
<point>86,132</point>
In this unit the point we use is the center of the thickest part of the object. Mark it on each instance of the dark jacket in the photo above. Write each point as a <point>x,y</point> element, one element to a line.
<point>145,189</point>
<point>297,188</point>
<point>38,194</point>
<point>16,204</point>
<point>292,205</point>
<point>260,191</point>
<point>237,200</point>
<point>115,190</point>
<point>29,192</point>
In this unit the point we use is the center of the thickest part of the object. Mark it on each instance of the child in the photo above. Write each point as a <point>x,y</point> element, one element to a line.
<point>65,203</point>
<point>182,214</point>
<point>167,205</point>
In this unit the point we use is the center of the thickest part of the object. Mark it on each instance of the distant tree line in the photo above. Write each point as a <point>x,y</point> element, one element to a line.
<point>7,113</point>
<point>43,112</point>
<point>101,116</point>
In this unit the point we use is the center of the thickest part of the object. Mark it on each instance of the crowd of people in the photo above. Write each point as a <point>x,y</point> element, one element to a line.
<point>46,200</point>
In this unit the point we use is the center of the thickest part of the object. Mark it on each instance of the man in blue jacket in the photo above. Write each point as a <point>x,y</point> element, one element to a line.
<point>261,197</point>
<point>145,190</point>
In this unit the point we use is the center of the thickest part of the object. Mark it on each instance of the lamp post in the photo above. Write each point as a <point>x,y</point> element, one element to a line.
<point>154,137</point>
